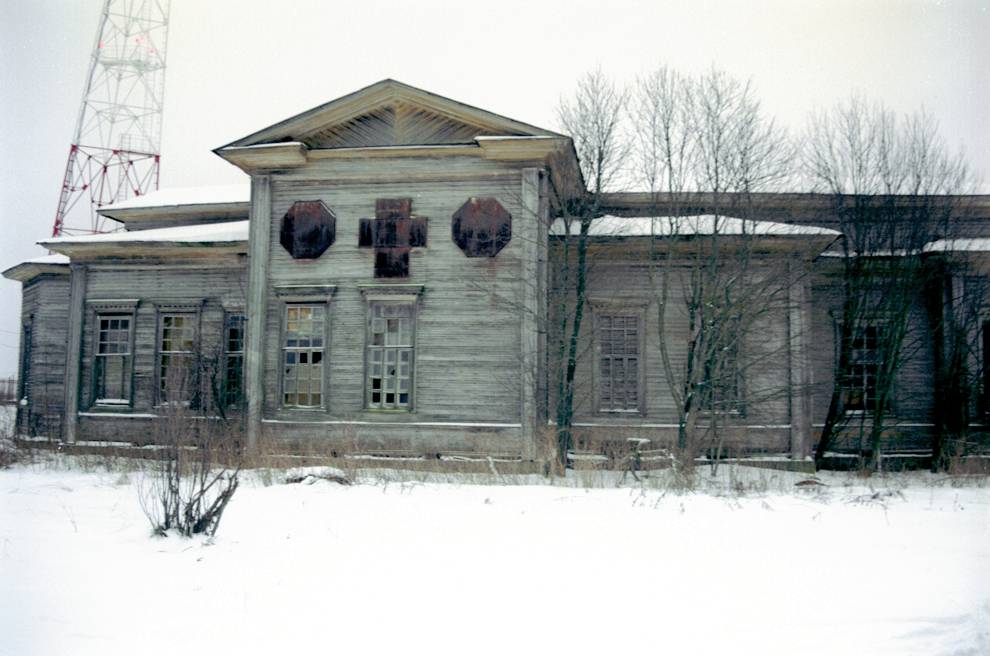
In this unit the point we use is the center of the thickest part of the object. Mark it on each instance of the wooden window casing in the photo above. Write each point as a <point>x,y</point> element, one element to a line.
<point>233,366</point>
<point>618,370</point>
<point>113,360</point>
<point>859,388</point>
<point>177,375</point>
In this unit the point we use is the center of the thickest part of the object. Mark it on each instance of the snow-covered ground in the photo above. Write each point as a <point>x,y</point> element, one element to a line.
<point>886,566</point>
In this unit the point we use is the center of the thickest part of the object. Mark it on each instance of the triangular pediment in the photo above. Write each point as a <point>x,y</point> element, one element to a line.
<point>390,113</point>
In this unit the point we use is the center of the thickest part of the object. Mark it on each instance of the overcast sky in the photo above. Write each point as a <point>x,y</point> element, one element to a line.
<point>235,66</point>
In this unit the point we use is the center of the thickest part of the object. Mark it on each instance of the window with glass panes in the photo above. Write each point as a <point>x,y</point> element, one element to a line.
<point>176,357</point>
<point>390,356</point>
<point>860,386</point>
<point>302,355</point>
<point>618,362</point>
<point>233,372</point>
<point>112,370</point>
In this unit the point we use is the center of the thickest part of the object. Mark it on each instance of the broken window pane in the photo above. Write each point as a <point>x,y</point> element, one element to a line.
<point>390,355</point>
<point>302,355</point>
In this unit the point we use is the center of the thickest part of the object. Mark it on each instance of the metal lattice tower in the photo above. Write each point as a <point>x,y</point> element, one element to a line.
<point>116,151</point>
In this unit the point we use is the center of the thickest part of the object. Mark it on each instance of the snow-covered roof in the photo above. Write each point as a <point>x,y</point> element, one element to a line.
<point>54,258</point>
<point>975,245</point>
<point>205,233</point>
<point>702,224</point>
<point>28,269</point>
<point>180,196</point>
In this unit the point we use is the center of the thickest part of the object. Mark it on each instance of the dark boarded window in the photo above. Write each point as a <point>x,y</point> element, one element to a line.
<point>302,355</point>
<point>112,370</point>
<point>233,374</point>
<point>481,227</point>
<point>177,358</point>
<point>308,229</point>
<point>618,362</point>
<point>390,355</point>
<point>860,385</point>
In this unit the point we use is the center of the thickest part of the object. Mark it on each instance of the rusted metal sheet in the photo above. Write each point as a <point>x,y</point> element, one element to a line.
<point>392,262</point>
<point>392,233</point>
<point>308,229</point>
<point>481,227</point>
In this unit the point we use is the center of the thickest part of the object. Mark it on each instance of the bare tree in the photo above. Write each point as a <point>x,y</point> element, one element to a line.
<point>592,117</point>
<point>890,179</point>
<point>708,134</point>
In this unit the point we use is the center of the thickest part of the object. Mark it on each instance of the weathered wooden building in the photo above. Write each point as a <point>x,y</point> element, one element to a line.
<point>386,286</point>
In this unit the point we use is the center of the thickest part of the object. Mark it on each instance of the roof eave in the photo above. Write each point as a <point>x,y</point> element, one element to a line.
<point>26,271</point>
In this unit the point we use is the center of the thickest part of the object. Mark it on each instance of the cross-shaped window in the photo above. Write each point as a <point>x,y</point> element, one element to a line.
<point>392,233</point>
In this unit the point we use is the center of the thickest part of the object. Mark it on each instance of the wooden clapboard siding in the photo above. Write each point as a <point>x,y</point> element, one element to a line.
<point>44,305</point>
<point>619,281</point>
<point>467,357</point>
<point>209,289</point>
<point>912,412</point>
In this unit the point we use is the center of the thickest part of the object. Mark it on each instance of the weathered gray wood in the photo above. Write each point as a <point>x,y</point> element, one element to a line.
<point>258,284</point>
<point>77,301</point>
<point>527,229</point>
<point>800,366</point>
<point>45,308</point>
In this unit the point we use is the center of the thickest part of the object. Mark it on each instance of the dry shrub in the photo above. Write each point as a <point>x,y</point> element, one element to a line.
<point>189,483</point>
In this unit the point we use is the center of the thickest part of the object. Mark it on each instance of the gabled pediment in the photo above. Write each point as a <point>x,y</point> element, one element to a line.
<point>389,113</point>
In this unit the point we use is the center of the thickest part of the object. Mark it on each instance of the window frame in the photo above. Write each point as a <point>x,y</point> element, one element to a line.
<point>287,303</point>
<point>124,308</point>
<point>228,316</point>
<point>635,308</point>
<point>27,346</point>
<point>864,409</point>
<point>384,349</point>
<point>193,395</point>
<point>391,294</point>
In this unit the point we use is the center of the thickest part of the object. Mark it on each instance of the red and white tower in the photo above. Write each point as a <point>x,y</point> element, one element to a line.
<point>116,151</point>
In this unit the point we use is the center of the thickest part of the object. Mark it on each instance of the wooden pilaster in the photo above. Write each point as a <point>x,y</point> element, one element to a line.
<point>73,357</point>
<point>257,303</point>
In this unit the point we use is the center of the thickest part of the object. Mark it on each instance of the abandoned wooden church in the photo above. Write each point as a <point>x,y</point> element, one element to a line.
<point>399,280</point>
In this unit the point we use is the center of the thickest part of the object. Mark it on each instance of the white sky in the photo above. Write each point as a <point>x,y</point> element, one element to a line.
<point>235,66</point>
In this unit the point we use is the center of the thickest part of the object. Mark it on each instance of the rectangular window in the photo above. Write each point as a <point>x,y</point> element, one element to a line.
<point>721,388</point>
<point>390,356</point>
<point>24,385</point>
<point>618,363</point>
<point>302,355</point>
<point>233,372</point>
<point>113,361</point>
<point>860,386</point>
<point>177,358</point>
